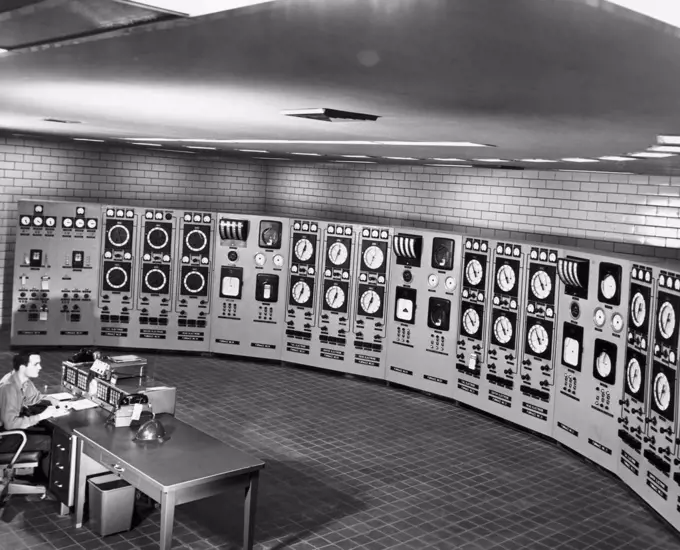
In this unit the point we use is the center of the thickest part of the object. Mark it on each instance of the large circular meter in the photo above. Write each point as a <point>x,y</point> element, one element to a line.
<point>505,278</point>
<point>638,309</point>
<point>373,257</point>
<point>634,375</point>
<point>541,285</point>
<point>538,339</point>
<point>471,322</point>
<point>335,297</point>
<point>603,364</point>
<point>666,320</point>
<point>301,292</point>
<point>337,253</point>
<point>662,391</point>
<point>304,250</point>
<point>370,301</point>
<point>502,329</point>
<point>474,272</point>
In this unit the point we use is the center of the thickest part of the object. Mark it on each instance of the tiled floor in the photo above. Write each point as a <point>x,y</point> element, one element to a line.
<point>355,464</point>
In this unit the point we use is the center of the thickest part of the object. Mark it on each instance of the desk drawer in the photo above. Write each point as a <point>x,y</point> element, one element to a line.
<point>129,474</point>
<point>61,467</point>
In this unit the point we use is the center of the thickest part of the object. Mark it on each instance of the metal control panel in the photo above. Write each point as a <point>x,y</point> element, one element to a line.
<point>474,308</point>
<point>590,362</point>
<point>423,316</point>
<point>250,285</point>
<point>303,288</point>
<point>536,399</point>
<point>55,274</point>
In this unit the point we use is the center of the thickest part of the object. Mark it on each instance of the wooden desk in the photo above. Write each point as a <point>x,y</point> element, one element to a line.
<point>190,466</point>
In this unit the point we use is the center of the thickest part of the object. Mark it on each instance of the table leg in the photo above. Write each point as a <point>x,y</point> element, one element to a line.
<point>63,509</point>
<point>167,519</point>
<point>249,511</point>
<point>81,479</point>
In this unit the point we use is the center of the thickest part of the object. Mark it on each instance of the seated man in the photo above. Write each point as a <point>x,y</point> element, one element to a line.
<point>17,395</point>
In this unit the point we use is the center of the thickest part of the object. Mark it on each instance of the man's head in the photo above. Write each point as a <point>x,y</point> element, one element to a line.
<point>27,363</point>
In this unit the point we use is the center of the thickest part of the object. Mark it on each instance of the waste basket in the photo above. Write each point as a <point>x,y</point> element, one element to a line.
<point>111,503</point>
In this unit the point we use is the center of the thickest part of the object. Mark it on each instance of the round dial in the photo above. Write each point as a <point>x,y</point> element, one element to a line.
<point>471,321</point>
<point>662,391</point>
<point>617,322</point>
<point>26,220</point>
<point>638,309</point>
<point>196,240</point>
<point>80,223</point>
<point>666,320</point>
<point>116,277</point>
<point>432,280</point>
<point>450,284</point>
<point>505,277</point>
<point>373,257</point>
<point>194,281</point>
<point>474,272</point>
<point>603,364</point>
<point>67,223</point>
<point>304,250</point>
<point>502,328</point>
<point>337,253</point>
<point>119,235</point>
<point>370,301</point>
<point>157,238</point>
<point>634,375</point>
<point>155,279</point>
<point>37,221</point>
<point>599,317</point>
<point>278,260</point>
<point>260,259</point>
<point>301,292</point>
<point>541,285</point>
<point>91,223</point>
<point>538,339</point>
<point>49,222</point>
<point>335,297</point>
<point>608,286</point>
<point>441,257</point>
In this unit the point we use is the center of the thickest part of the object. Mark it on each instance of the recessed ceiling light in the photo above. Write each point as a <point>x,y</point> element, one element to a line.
<point>651,155</point>
<point>491,160</point>
<point>537,160</point>
<point>147,144</point>
<point>307,154</point>
<point>354,161</point>
<point>355,156</point>
<point>179,151</point>
<point>195,8</point>
<point>271,158</point>
<point>400,158</point>
<point>615,157</point>
<point>321,142</point>
<point>451,165</point>
<point>668,140</point>
<point>665,148</point>
<point>252,150</point>
<point>449,159</point>
<point>594,171</point>
<point>89,139</point>
<point>579,159</point>
<point>201,147</point>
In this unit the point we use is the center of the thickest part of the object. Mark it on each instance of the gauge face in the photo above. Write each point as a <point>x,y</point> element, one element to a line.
<point>505,277</point>
<point>278,260</point>
<point>638,309</point>
<point>608,286</point>
<point>370,301</point>
<point>474,272</point>
<point>67,223</point>
<point>91,223</point>
<point>373,257</point>
<point>116,277</point>
<point>26,220</point>
<point>335,297</point>
<point>634,375</point>
<point>599,317</point>
<point>502,328</point>
<point>541,285</point>
<point>441,257</point>
<point>337,253</point>
<point>119,235</point>
<point>196,240</point>
<point>49,222</point>
<point>37,221</point>
<point>662,391</point>
<point>259,259</point>
<point>603,364</point>
<point>155,279</point>
<point>80,223</point>
<point>301,292</point>
<point>538,339</point>
<point>157,238</point>
<point>450,284</point>
<point>617,322</point>
<point>432,280</point>
<point>471,321</point>
<point>194,282</point>
<point>666,320</point>
<point>304,250</point>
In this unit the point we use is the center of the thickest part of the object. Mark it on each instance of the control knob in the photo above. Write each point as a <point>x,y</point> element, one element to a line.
<point>526,362</point>
<point>649,439</point>
<point>624,402</point>
<point>526,377</point>
<point>510,357</point>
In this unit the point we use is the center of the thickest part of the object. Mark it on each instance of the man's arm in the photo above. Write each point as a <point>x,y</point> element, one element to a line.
<point>11,401</point>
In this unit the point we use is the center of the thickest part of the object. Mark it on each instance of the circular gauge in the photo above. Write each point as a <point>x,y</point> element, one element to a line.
<point>505,277</point>
<point>301,292</point>
<point>116,277</point>
<point>157,238</point>
<point>662,391</point>
<point>270,237</point>
<point>304,250</point>
<point>617,322</point>
<point>471,321</point>
<point>196,240</point>
<point>119,235</point>
<point>370,301</point>
<point>67,223</point>
<point>278,260</point>
<point>155,280</point>
<point>91,223</point>
<point>666,320</point>
<point>373,257</point>
<point>502,329</point>
<point>260,259</point>
<point>335,297</point>
<point>80,223</point>
<point>538,339</point>
<point>441,257</point>
<point>474,272</point>
<point>49,222</point>
<point>638,309</point>
<point>26,220</point>
<point>232,255</point>
<point>634,375</point>
<point>608,286</point>
<point>450,284</point>
<point>603,364</point>
<point>432,280</point>
<point>599,317</point>
<point>37,221</point>
<point>541,285</point>
<point>337,253</point>
<point>194,281</point>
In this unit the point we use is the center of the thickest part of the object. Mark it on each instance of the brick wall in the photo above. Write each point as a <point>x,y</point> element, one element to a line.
<point>42,169</point>
<point>620,213</point>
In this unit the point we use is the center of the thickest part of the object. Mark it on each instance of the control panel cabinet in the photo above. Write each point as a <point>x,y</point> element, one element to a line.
<point>591,336</point>
<point>118,275</point>
<point>371,294</point>
<point>55,274</point>
<point>302,310</point>
<point>423,317</point>
<point>536,397</point>
<point>500,383</point>
<point>250,285</point>
<point>474,309</point>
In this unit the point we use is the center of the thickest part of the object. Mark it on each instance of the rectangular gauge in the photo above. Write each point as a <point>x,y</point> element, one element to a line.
<point>640,309</point>
<point>405,300</point>
<point>35,258</point>
<point>604,361</point>
<point>231,282</point>
<point>506,281</point>
<point>504,324</point>
<point>663,390</point>
<point>442,253</point>
<point>408,249</point>
<point>267,288</point>
<point>539,335</point>
<point>609,284</point>
<point>373,256</point>
<point>542,282</point>
<point>572,346</point>
<point>370,302</point>
<point>338,252</point>
<point>270,234</point>
<point>666,325</point>
<point>77,259</point>
<point>636,367</point>
<point>574,273</point>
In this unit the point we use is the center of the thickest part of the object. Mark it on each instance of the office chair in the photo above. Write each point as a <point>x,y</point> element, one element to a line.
<point>10,463</point>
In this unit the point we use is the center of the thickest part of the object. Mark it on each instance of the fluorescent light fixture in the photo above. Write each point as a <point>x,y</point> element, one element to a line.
<point>579,159</point>
<point>665,148</point>
<point>3,50</point>
<point>271,158</point>
<point>89,139</point>
<point>615,157</point>
<point>252,150</point>
<point>449,159</point>
<point>179,151</point>
<point>319,142</point>
<point>354,161</point>
<point>355,156</point>
<point>307,154</point>
<point>491,160</point>
<point>201,147</point>
<point>668,140</point>
<point>147,144</point>
<point>400,158</point>
<point>651,155</point>
<point>661,10</point>
<point>451,165</point>
<point>537,160</point>
<point>195,8</point>
<point>595,172</point>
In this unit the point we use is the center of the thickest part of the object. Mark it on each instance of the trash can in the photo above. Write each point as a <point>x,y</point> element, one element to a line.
<point>111,503</point>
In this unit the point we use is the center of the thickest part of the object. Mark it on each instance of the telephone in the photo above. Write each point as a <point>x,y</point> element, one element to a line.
<point>133,399</point>
<point>129,409</point>
<point>85,355</point>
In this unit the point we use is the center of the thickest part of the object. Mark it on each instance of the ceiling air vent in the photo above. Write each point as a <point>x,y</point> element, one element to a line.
<point>330,115</point>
